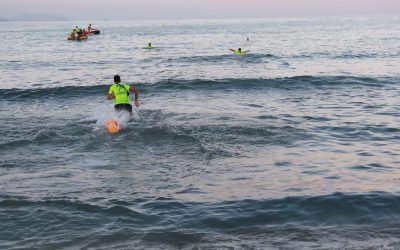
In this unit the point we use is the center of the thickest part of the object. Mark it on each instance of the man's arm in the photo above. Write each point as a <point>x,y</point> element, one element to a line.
<point>133,89</point>
<point>232,50</point>
<point>110,96</point>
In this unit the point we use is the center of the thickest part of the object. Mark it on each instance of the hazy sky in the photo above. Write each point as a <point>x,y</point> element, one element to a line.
<point>176,9</point>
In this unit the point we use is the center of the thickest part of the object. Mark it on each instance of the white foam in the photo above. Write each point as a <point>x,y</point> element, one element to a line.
<point>106,112</point>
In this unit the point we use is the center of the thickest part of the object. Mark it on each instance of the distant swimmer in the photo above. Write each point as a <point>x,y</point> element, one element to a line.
<point>248,39</point>
<point>239,51</point>
<point>149,46</point>
<point>120,93</point>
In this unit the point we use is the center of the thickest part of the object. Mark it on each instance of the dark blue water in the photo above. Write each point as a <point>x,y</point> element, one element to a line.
<point>293,146</point>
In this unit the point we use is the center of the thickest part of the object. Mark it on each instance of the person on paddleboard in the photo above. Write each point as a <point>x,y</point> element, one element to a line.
<point>120,93</point>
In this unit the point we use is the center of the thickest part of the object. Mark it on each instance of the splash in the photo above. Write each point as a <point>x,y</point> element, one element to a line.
<point>106,112</point>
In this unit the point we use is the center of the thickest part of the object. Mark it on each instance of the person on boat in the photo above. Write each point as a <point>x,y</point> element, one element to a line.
<point>239,51</point>
<point>72,36</point>
<point>89,28</point>
<point>120,93</point>
<point>82,35</point>
<point>78,31</point>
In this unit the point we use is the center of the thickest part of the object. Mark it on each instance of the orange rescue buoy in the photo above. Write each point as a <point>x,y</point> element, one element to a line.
<point>112,126</point>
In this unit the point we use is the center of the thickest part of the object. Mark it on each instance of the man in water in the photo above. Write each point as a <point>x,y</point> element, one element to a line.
<point>239,51</point>
<point>149,46</point>
<point>120,93</point>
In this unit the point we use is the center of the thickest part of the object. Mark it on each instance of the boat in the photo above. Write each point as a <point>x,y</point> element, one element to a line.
<point>93,32</point>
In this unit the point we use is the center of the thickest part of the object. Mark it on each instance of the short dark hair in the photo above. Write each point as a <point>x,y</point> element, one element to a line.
<point>117,78</point>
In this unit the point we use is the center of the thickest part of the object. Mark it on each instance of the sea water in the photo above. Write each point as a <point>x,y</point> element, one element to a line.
<point>294,145</point>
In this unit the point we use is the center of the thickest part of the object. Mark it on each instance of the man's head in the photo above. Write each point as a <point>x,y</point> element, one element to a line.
<point>240,49</point>
<point>149,44</point>
<point>117,79</point>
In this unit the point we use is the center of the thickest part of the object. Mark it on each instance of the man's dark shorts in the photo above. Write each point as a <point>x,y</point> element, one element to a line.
<point>123,107</point>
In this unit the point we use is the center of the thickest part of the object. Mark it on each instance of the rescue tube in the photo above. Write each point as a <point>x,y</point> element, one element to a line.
<point>112,126</point>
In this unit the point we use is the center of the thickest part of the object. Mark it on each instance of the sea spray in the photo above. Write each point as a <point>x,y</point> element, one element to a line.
<point>106,111</point>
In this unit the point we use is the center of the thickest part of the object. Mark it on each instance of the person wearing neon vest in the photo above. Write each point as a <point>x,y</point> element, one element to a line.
<point>149,46</point>
<point>120,93</point>
<point>239,51</point>
<point>78,30</point>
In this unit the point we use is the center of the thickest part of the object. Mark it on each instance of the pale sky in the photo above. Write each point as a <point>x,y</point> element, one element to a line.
<point>178,9</point>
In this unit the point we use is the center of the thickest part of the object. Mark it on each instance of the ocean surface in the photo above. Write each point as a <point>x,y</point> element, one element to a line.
<point>295,145</point>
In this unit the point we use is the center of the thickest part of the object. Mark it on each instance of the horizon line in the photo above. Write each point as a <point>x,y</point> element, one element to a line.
<point>9,19</point>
